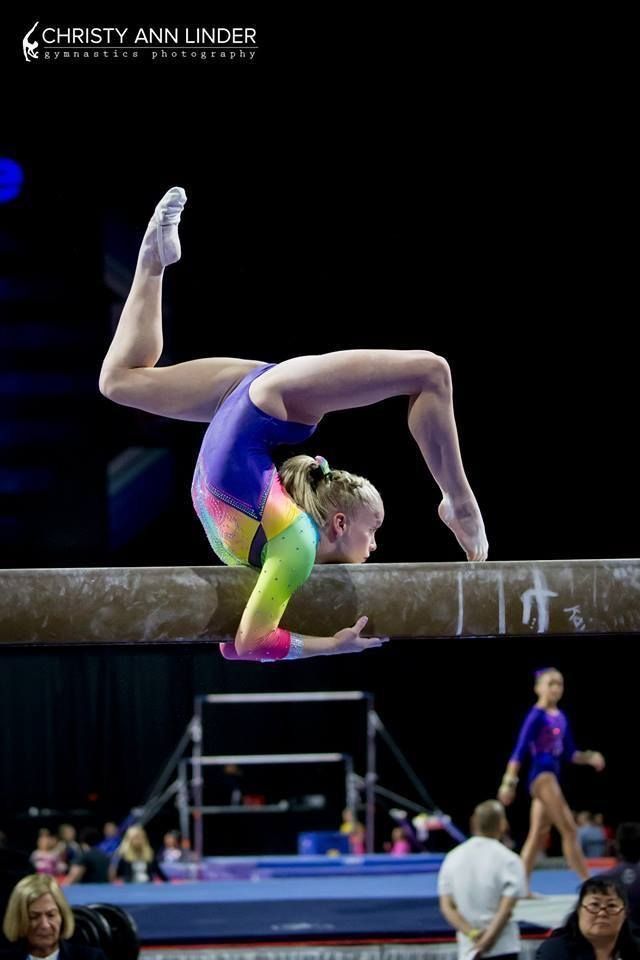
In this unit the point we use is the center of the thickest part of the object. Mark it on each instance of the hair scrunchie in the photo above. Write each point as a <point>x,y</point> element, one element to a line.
<point>324,466</point>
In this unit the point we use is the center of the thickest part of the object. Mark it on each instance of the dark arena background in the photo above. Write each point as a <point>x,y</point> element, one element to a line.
<point>463,189</point>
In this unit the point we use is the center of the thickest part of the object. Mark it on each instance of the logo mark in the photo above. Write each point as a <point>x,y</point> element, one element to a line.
<point>29,46</point>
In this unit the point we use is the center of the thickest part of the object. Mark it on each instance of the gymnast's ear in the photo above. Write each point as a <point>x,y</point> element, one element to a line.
<point>338,524</point>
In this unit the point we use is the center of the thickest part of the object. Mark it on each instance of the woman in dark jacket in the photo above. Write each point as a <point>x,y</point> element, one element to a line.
<point>39,921</point>
<point>135,861</point>
<point>598,928</point>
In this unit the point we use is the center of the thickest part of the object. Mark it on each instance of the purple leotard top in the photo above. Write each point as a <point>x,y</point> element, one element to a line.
<point>546,738</point>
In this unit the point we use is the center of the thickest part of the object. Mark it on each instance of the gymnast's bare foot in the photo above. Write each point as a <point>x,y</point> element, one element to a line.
<point>161,243</point>
<point>465,522</point>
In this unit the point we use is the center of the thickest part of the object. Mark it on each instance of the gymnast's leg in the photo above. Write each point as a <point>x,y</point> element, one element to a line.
<point>305,388</point>
<point>547,791</point>
<point>539,826</point>
<point>129,375</point>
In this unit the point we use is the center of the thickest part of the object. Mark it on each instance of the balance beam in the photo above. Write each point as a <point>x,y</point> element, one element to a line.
<point>154,605</point>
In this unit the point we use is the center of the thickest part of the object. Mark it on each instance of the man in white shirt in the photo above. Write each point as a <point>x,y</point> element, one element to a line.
<point>479,883</point>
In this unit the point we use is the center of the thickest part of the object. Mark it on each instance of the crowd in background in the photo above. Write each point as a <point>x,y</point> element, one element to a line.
<point>111,855</point>
<point>479,883</point>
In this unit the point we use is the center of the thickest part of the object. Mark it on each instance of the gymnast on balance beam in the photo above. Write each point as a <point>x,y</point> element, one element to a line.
<point>282,521</point>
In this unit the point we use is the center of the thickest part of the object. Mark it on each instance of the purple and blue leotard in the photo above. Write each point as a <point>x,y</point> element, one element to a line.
<point>546,738</point>
<point>250,519</point>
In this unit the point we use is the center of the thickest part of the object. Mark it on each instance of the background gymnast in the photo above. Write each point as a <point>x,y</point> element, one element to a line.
<point>282,522</point>
<point>546,738</point>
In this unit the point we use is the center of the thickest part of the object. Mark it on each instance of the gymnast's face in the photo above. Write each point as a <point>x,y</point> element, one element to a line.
<point>358,533</point>
<point>550,687</point>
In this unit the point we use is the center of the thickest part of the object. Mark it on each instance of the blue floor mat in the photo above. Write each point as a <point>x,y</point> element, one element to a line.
<point>292,907</point>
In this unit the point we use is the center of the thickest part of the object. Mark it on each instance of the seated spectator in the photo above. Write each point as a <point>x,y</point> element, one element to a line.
<point>68,846</point>
<point>171,850</point>
<point>627,870</point>
<point>187,854</point>
<point>399,846</point>
<point>111,838</point>
<point>355,831</point>
<point>415,832</point>
<point>598,928</point>
<point>591,837</point>
<point>135,861</point>
<point>39,921</point>
<point>46,858</point>
<point>92,866</point>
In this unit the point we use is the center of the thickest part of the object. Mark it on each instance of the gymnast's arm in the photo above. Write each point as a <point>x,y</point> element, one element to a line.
<point>583,758</point>
<point>288,561</point>
<point>589,758</point>
<point>529,731</point>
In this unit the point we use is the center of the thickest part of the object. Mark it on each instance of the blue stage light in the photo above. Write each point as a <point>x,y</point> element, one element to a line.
<point>11,179</point>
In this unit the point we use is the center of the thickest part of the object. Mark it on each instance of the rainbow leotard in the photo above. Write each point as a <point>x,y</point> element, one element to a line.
<point>248,516</point>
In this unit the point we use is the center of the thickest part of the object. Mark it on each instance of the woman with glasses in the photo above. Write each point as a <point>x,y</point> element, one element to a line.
<point>546,739</point>
<point>598,928</point>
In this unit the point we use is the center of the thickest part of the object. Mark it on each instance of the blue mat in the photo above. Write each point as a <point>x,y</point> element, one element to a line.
<point>281,908</point>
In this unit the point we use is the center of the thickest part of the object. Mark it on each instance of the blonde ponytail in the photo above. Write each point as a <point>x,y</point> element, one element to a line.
<point>320,491</point>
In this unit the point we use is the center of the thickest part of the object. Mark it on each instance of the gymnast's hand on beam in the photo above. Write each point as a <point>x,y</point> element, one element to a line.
<point>350,641</point>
